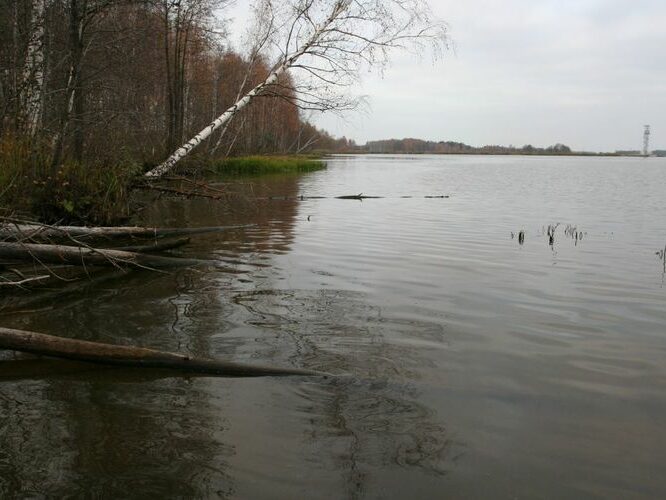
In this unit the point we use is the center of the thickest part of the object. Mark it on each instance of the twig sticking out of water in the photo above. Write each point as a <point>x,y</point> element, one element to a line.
<point>521,236</point>
<point>574,233</point>
<point>551,233</point>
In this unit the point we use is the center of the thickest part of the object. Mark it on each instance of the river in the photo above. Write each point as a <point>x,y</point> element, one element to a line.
<point>477,362</point>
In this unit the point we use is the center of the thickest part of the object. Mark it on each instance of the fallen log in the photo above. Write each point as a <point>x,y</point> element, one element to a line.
<point>62,254</point>
<point>159,246</point>
<point>36,231</point>
<point>109,354</point>
<point>25,281</point>
<point>357,197</point>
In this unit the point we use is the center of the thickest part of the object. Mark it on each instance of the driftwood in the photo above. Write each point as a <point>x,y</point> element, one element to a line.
<point>214,194</point>
<point>357,197</point>
<point>25,281</point>
<point>158,246</point>
<point>62,254</point>
<point>37,231</point>
<point>108,354</point>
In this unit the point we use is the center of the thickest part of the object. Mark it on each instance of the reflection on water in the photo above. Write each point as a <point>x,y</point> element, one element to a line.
<point>371,420</point>
<point>471,364</point>
<point>80,439</point>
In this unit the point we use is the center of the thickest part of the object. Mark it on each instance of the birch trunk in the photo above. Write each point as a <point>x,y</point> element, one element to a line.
<point>273,77</point>
<point>33,71</point>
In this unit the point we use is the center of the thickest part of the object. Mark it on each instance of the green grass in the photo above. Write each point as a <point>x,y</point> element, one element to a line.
<point>69,192</point>
<point>260,165</point>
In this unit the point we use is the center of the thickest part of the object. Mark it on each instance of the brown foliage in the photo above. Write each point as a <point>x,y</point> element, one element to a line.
<point>133,79</point>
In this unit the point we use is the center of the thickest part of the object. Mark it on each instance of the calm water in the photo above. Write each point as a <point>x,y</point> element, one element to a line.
<point>478,367</point>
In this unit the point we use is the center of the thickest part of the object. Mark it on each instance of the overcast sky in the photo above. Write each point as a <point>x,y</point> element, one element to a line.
<point>587,73</point>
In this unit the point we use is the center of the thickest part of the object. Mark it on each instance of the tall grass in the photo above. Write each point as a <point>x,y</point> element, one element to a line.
<point>257,165</point>
<point>96,193</point>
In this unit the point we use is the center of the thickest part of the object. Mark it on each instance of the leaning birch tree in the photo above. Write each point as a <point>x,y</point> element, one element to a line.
<point>326,44</point>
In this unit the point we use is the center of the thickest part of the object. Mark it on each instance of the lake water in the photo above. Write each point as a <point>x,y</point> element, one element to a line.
<point>475,366</point>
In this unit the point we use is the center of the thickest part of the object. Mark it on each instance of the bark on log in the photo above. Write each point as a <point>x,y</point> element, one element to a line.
<point>108,354</point>
<point>62,254</point>
<point>48,232</point>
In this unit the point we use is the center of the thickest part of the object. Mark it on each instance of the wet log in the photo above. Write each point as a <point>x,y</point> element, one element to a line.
<point>37,231</point>
<point>25,281</point>
<point>62,254</point>
<point>139,357</point>
<point>158,246</point>
<point>357,197</point>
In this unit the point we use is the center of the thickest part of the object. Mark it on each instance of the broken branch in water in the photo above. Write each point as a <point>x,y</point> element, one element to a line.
<point>10,230</point>
<point>25,281</point>
<point>61,254</point>
<point>159,246</point>
<point>359,196</point>
<point>109,354</point>
<point>187,193</point>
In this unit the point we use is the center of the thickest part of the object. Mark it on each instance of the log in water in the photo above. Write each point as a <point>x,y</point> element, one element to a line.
<point>64,254</point>
<point>38,231</point>
<point>139,357</point>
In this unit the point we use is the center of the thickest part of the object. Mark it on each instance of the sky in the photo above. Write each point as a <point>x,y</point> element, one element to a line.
<point>586,73</point>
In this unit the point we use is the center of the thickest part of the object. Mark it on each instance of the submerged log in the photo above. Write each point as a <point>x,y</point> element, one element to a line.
<point>109,354</point>
<point>357,197</point>
<point>158,246</point>
<point>62,254</point>
<point>37,231</point>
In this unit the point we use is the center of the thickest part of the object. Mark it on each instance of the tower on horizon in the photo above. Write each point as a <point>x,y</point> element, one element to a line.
<point>646,140</point>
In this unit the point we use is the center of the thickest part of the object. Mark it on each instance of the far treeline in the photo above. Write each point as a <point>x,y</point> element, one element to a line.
<point>417,146</point>
<point>93,92</point>
<point>420,146</point>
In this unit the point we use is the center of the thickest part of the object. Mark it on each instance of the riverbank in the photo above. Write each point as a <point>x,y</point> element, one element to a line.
<point>100,193</point>
<point>36,187</point>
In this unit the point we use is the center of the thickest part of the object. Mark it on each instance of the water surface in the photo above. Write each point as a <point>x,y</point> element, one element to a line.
<point>476,367</point>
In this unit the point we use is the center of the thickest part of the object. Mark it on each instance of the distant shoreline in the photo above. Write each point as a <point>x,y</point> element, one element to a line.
<point>414,146</point>
<point>484,153</point>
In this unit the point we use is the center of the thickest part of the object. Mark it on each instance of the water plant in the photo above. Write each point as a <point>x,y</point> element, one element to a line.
<point>256,165</point>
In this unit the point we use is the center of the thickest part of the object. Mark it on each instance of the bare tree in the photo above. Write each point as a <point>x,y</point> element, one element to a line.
<point>81,14</point>
<point>327,43</point>
<point>183,21</point>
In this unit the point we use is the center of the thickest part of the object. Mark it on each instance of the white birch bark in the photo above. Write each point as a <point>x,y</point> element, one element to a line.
<point>33,72</point>
<point>289,60</point>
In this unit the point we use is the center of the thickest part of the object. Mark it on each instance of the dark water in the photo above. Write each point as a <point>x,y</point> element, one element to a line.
<point>478,367</point>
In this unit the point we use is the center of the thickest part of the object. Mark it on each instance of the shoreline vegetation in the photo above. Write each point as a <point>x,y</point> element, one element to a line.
<point>101,193</point>
<point>262,165</point>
